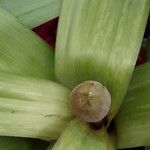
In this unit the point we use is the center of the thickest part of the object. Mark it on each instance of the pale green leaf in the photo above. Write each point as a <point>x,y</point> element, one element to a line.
<point>32,12</point>
<point>79,136</point>
<point>100,40</point>
<point>22,52</point>
<point>133,119</point>
<point>31,107</point>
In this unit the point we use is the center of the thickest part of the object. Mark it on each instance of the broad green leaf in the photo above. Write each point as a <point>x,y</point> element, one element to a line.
<point>32,12</point>
<point>31,107</point>
<point>100,40</point>
<point>133,119</point>
<point>22,52</point>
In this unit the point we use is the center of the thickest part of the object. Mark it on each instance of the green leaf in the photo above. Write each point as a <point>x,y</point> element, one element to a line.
<point>100,40</point>
<point>17,143</point>
<point>31,107</point>
<point>113,141</point>
<point>148,49</point>
<point>38,144</point>
<point>32,12</point>
<point>11,143</point>
<point>50,147</point>
<point>22,52</point>
<point>133,119</point>
<point>79,136</point>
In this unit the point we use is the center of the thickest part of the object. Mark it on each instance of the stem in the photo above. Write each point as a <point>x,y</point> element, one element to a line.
<point>90,101</point>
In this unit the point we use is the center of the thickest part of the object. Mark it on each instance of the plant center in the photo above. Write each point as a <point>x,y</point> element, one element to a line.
<point>90,101</point>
